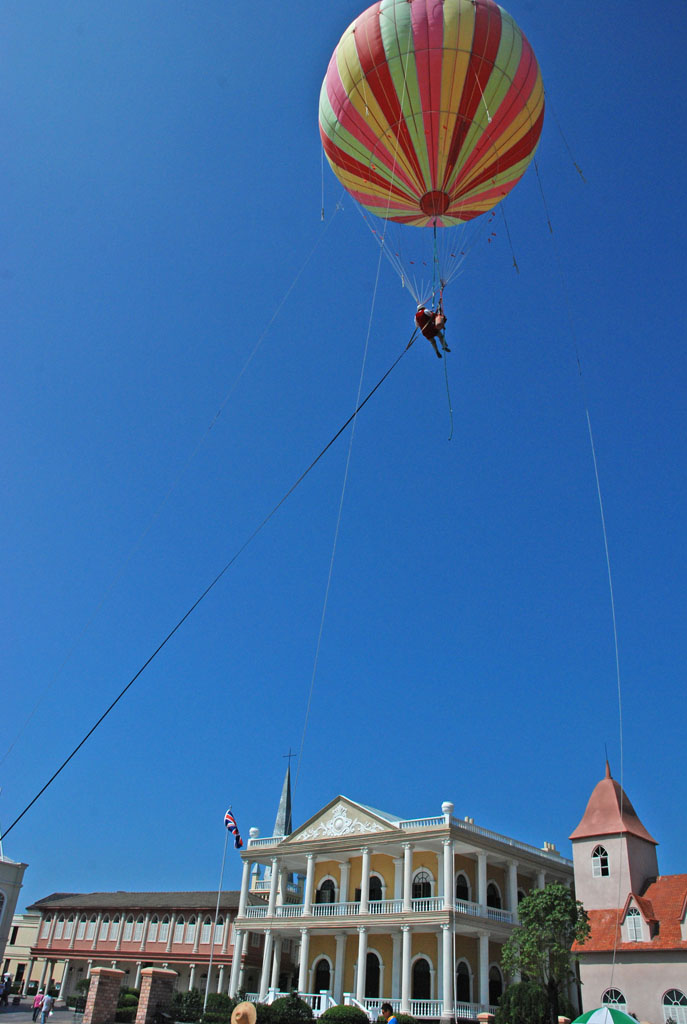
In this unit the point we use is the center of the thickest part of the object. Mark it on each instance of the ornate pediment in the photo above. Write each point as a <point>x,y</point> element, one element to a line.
<point>342,819</point>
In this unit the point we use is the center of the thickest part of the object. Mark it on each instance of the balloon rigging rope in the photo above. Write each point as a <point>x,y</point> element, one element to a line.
<point>604,531</point>
<point>210,586</point>
<point>170,491</point>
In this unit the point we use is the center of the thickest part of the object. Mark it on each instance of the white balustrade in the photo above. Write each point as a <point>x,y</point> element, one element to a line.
<point>256,911</point>
<point>335,909</point>
<point>385,907</point>
<point>289,910</point>
<point>495,914</point>
<point>471,909</point>
<point>426,1007</point>
<point>432,903</point>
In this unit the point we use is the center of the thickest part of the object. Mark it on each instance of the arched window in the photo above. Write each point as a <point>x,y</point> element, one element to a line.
<point>326,892</point>
<point>104,928</point>
<point>614,997</point>
<point>114,928</point>
<point>59,927</point>
<point>153,929</point>
<point>138,930</point>
<point>205,931</point>
<point>47,921</point>
<point>463,983</point>
<point>634,925</point>
<point>69,928</point>
<point>128,928</point>
<point>493,896</point>
<point>191,930</point>
<point>81,929</point>
<point>521,896</point>
<point>600,867</point>
<point>179,930</point>
<point>219,931</point>
<point>462,887</point>
<point>675,1006</point>
<point>372,973</point>
<point>164,929</point>
<point>322,975</point>
<point>495,986</point>
<point>422,980</point>
<point>422,889</point>
<point>375,894</point>
<point>90,929</point>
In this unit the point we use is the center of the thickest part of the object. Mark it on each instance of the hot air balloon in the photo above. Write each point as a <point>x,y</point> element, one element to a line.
<point>430,113</point>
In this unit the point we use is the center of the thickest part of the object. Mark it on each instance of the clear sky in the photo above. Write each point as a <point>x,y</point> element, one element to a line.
<point>162,178</point>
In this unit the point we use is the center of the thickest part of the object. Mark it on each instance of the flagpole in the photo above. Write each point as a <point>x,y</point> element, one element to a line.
<point>214,923</point>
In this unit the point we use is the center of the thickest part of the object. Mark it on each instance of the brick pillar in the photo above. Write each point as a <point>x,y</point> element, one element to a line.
<point>157,988</point>
<point>103,994</point>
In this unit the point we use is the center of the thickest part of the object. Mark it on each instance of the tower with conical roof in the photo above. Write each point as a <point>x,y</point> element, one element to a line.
<point>613,853</point>
<point>283,825</point>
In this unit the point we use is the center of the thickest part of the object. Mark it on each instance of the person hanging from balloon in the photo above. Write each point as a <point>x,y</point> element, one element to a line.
<point>431,324</point>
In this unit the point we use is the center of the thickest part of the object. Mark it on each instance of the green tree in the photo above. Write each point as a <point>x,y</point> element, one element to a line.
<point>551,919</point>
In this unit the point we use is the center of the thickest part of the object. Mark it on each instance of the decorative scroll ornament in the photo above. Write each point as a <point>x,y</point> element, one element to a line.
<point>339,823</point>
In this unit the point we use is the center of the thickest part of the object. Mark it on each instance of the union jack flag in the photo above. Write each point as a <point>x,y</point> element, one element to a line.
<point>230,822</point>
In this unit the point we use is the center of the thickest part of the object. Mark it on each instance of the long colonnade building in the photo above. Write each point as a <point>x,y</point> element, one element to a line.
<point>380,908</point>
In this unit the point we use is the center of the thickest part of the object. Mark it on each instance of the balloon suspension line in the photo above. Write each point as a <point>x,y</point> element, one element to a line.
<point>616,646</point>
<point>436,280</point>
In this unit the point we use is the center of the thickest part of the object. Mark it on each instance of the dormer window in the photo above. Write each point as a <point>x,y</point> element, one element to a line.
<point>634,925</point>
<point>600,867</point>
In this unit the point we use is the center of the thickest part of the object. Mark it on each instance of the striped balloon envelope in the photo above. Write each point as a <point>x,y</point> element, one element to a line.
<point>431,110</point>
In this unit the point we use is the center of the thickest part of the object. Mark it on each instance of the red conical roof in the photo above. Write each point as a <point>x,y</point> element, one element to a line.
<point>609,812</point>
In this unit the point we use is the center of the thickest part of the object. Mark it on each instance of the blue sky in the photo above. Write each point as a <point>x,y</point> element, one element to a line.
<point>163,186</point>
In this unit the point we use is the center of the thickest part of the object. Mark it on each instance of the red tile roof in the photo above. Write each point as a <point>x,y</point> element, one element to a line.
<point>609,812</point>
<point>664,901</point>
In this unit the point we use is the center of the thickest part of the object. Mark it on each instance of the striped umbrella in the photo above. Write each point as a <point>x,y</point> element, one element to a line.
<point>605,1015</point>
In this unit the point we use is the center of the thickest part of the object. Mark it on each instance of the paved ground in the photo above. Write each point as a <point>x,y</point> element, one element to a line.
<point>23,1014</point>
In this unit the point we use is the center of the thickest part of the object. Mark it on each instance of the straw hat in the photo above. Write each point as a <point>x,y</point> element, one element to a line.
<point>243,1013</point>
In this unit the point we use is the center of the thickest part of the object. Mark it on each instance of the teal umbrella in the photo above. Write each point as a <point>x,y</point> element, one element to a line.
<point>605,1015</point>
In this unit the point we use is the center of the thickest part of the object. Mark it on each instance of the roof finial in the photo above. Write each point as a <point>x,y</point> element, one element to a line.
<point>608,770</point>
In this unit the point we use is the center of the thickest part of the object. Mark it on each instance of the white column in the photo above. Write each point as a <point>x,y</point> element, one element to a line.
<point>407,881</point>
<point>365,881</point>
<point>512,887</point>
<point>482,881</point>
<point>89,968</point>
<point>395,964</point>
<point>220,979</point>
<point>139,964</point>
<point>199,927</point>
<point>281,891</point>
<point>120,933</point>
<point>245,883</point>
<point>447,970</point>
<point>242,958</point>
<point>170,936</point>
<point>398,878</point>
<point>266,966</point>
<point>97,932</point>
<point>27,979</point>
<point>541,879</point>
<point>235,962</point>
<point>448,873</point>
<point>73,938</point>
<point>274,882</point>
<point>225,936</point>
<point>113,965</point>
<point>345,870</point>
<point>65,974</point>
<point>484,968</point>
<point>405,968</point>
<point>41,983</point>
<point>362,963</point>
<point>303,965</point>
<point>276,962</point>
<point>309,881</point>
<point>339,967</point>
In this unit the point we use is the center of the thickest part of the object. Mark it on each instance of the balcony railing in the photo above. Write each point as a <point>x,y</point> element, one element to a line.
<point>335,909</point>
<point>427,905</point>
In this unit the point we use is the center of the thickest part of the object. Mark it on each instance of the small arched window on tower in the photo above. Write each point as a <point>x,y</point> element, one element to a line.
<point>600,867</point>
<point>634,925</point>
<point>675,1006</point>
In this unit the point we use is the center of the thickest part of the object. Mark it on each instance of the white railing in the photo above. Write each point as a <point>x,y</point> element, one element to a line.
<point>428,903</point>
<point>373,1007</point>
<point>471,909</point>
<point>494,914</point>
<point>335,909</point>
<point>471,827</point>
<point>261,885</point>
<point>269,841</point>
<point>256,911</point>
<point>289,910</point>
<point>422,822</point>
<point>385,906</point>
<point>426,1007</point>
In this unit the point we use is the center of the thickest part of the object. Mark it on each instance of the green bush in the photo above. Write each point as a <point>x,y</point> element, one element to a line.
<point>127,999</point>
<point>125,1014</point>
<point>265,1014</point>
<point>405,1018</point>
<point>344,1015</point>
<point>187,1006</point>
<point>220,1002</point>
<point>291,1009</point>
<point>522,1003</point>
<point>83,985</point>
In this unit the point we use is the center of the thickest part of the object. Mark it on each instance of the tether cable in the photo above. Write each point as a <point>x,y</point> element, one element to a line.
<point>207,590</point>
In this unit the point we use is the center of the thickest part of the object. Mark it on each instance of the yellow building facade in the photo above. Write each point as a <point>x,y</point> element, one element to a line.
<point>369,907</point>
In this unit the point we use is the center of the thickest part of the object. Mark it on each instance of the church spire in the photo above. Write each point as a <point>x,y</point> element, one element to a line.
<point>283,825</point>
